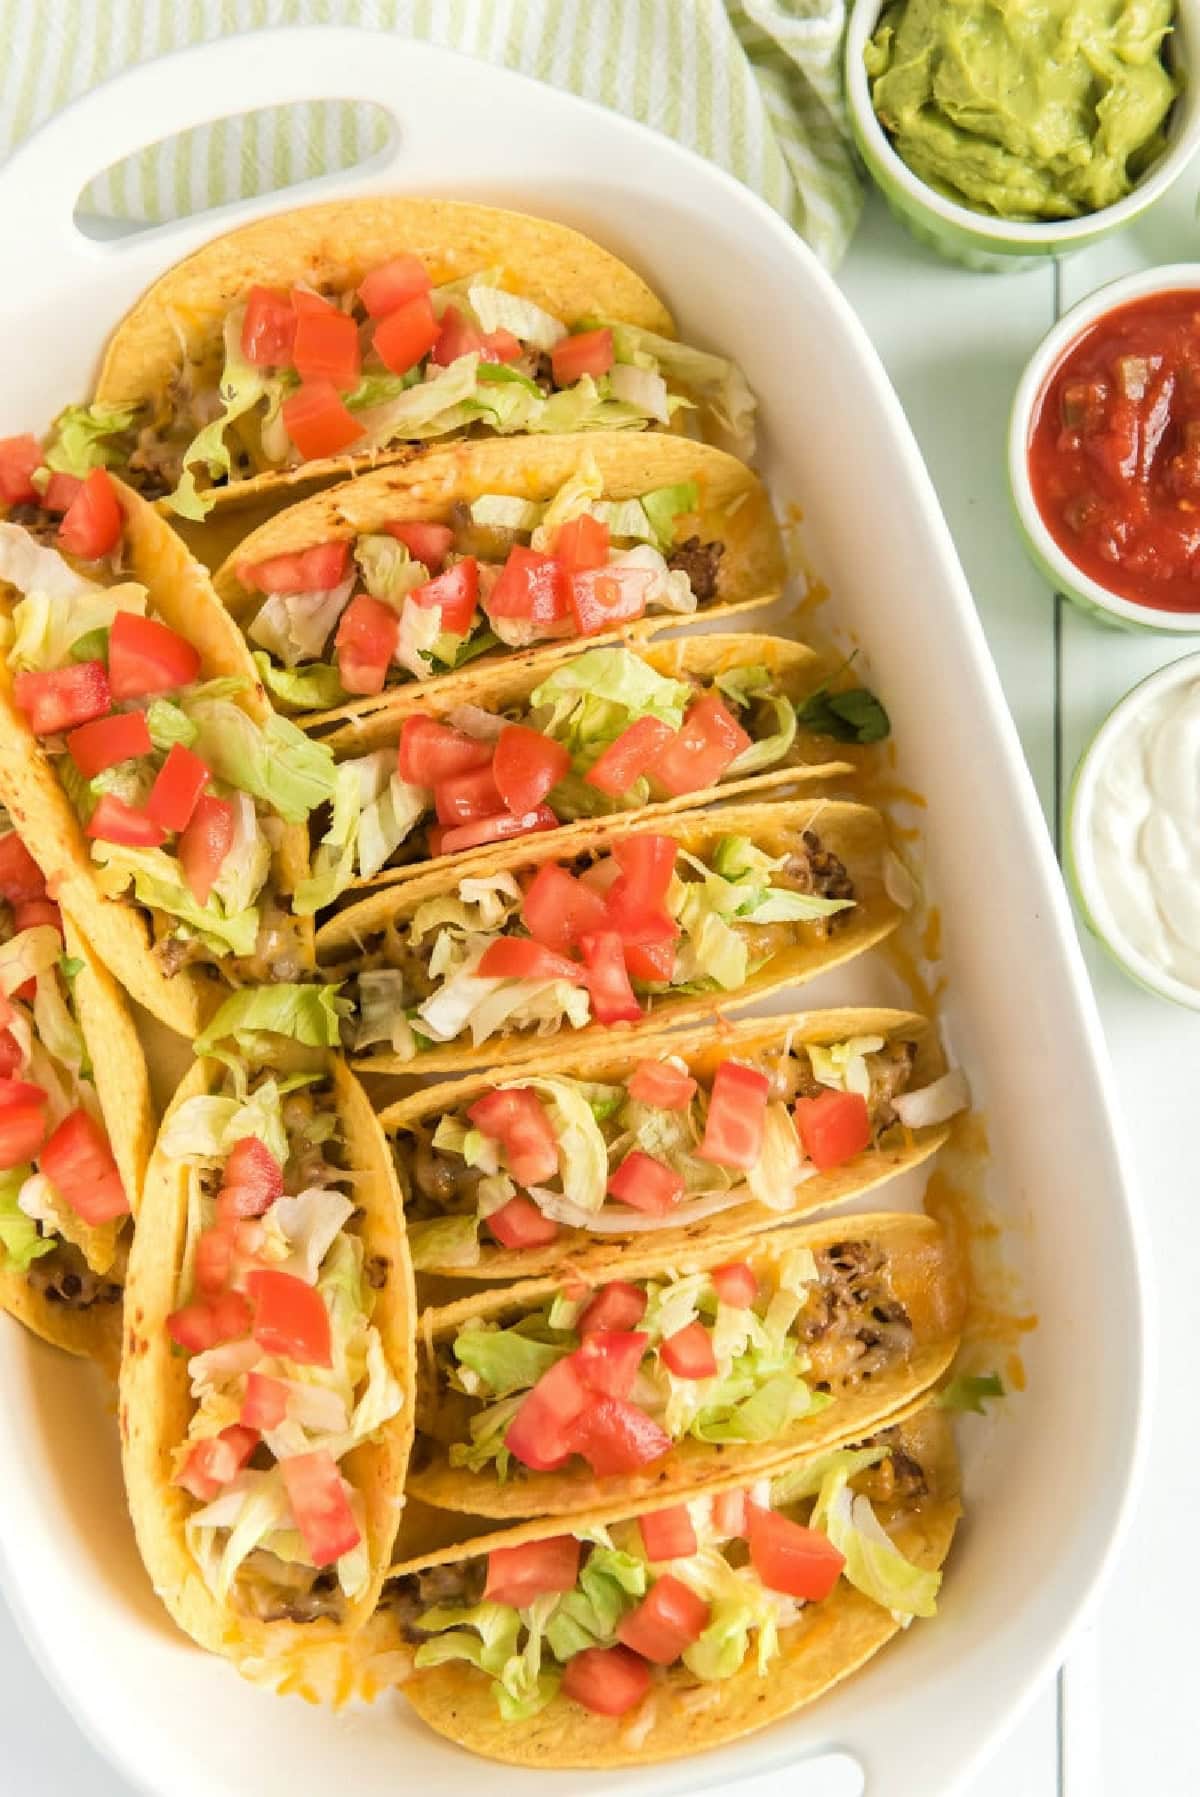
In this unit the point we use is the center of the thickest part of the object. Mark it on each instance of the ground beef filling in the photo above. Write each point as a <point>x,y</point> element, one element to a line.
<point>853,1324</point>
<point>280,953</point>
<point>701,563</point>
<point>899,1480</point>
<point>408,1598</point>
<point>41,525</point>
<point>274,1591</point>
<point>64,1277</point>
<point>890,1069</point>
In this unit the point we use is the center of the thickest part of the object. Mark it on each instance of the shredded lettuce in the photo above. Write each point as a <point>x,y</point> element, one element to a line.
<point>843,1065</point>
<point>19,1237</point>
<point>506,511</point>
<point>307,1014</point>
<point>498,310</point>
<point>712,381</point>
<point>506,1360</point>
<point>294,627</point>
<point>664,505</point>
<point>241,387</point>
<point>168,724</point>
<point>315,687</point>
<point>158,883</point>
<point>81,439</point>
<point>970,1391</point>
<point>444,1242</point>
<point>205,1127</point>
<point>779,1169</point>
<point>874,1564</point>
<point>806,1479</point>
<point>594,697</point>
<point>389,571</point>
<point>33,567</point>
<point>274,761</point>
<point>46,625</point>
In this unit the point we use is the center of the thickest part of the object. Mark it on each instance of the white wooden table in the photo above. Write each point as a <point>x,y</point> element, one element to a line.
<point>1122,1711</point>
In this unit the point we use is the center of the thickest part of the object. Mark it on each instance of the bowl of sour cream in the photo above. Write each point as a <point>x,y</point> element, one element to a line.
<point>1133,833</point>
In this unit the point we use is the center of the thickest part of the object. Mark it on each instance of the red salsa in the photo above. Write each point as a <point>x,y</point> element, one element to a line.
<point>1114,453</point>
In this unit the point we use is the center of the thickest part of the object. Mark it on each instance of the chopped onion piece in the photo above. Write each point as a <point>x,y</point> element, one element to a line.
<point>934,1104</point>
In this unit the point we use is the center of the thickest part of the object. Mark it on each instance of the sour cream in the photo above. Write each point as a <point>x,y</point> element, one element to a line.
<point>1135,832</point>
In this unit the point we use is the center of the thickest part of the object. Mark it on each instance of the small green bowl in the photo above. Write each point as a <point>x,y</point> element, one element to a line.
<point>996,245</point>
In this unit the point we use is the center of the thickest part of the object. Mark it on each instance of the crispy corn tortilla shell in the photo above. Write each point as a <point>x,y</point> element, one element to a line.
<point>927,1280</point>
<point>503,688</point>
<point>118,930</point>
<point>734,509</point>
<point>123,1087</point>
<point>853,832</point>
<point>156,1405</point>
<point>828,1642</point>
<point>334,246</point>
<point>703,1051</point>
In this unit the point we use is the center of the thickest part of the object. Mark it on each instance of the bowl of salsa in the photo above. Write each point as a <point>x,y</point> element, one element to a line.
<point>1104,451</point>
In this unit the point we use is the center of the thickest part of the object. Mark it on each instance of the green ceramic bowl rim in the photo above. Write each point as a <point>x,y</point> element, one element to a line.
<point>1057,564</point>
<point>1006,234</point>
<point>1079,863</point>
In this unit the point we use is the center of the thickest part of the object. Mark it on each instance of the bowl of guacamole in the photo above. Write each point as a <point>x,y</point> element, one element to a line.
<point>1003,131</point>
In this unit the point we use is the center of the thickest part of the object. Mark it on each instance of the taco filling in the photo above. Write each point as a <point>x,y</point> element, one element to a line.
<point>735,1354</point>
<point>181,794</point>
<point>683,1598</point>
<point>288,1372</point>
<point>62,1200</point>
<point>601,938</point>
<point>604,733</point>
<point>533,1157</point>
<point>416,599</point>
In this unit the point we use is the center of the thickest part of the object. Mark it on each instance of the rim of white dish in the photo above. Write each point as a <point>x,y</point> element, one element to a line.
<point>1079,837</point>
<point>1177,277</point>
<point>1184,139</point>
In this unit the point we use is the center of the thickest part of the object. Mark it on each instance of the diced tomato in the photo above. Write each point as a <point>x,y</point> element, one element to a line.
<point>637,900</point>
<point>729,1513</point>
<point>320,1506</point>
<point>467,798</point>
<point>93,522</point>
<point>520,1224</point>
<point>317,421</point>
<point>689,1353</point>
<point>501,828</point>
<point>27,916</point>
<point>604,597</point>
<point>106,741</point>
<point>20,458</point>
<point>216,1461</point>
<point>252,1181</point>
<point>539,1434</point>
<point>61,492</point>
<point>607,1360</point>
<point>177,787</point>
<point>312,570</point>
<point>667,1088</point>
<point>365,643</point>
<point>519,1121</point>
<point>646,1184</point>
<point>558,911</point>
<point>668,1534</point>
<point>709,739</point>
<point>11,1057</point>
<point>290,1317</point>
<point>393,284</point>
<point>532,588</point>
<point>581,543</point>
<point>265,1403</point>
<point>606,1680</point>
<point>206,1324</point>
<point>457,337</point>
<point>455,593</point>
<point>214,1264</point>
<point>325,348</point>
<point>516,1575</point>
<point>115,821</point>
<point>615,1436</point>
<point>14,1093</point>
<point>653,962</point>
<point>20,876</point>
<point>628,758</point>
<point>736,1283</point>
<point>428,543</point>
<point>501,346</point>
<point>737,1115</point>
<point>527,766</point>
<point>407,334</point>
<point>61,698</point>
<point>669,1618</point>
<point>587,352</point>
<point>517,958</point>
<point>22,1132</point>
<point>78,1162</point>
<point>790,1558</point>
<point>613,999</point>
<point>203,846</point>
<point>146,656</point>
<point>269,328</point>
<point>834,1127</point>
<point>430,752</point>
<point>617,1305</point>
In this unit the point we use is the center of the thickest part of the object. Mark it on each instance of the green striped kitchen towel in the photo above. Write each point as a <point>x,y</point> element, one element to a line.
<point>752,84</point>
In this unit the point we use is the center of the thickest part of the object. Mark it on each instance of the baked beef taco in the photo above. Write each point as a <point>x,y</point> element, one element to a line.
<point>515,750</point>
<point>155,787</point>
<point>267,1380</point>
<point>76,1121</point>
<point>701,1137</point>
<point>616,925</point>
<point>647,1636</point>
<point>554,1395</point>
<point>411,573</point>
<point>303,343</point>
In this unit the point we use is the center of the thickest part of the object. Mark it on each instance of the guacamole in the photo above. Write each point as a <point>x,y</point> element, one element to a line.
<point>1029,111</point>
